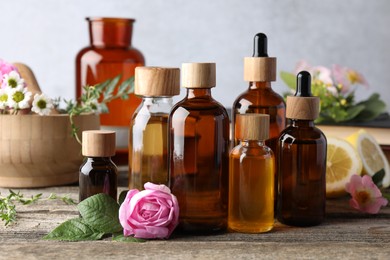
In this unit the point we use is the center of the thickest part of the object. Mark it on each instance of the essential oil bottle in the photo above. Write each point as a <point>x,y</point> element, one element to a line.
<point>259,98</point>
<point>148,139</point>
<point>302,160</point>
<point>98,174</point>
<point>251,178</point>
<point>199,153</point>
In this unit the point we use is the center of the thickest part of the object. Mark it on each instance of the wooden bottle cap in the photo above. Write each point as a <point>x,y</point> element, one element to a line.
<point>259,69</point>
<point>302,108</point>
<point>98,143</point>
<point>157,81</point>
<point>252,127</point>
<point>198,75</point>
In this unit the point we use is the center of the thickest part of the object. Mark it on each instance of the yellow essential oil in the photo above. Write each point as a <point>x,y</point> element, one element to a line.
<point>251,177</point>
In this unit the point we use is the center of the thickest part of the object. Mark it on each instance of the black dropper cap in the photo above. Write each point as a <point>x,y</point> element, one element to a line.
<point>260,45</point>
<point>303,84</point>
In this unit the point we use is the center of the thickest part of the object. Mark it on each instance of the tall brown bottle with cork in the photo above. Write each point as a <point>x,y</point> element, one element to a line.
<point>302,160</point>
<point>199,147</point>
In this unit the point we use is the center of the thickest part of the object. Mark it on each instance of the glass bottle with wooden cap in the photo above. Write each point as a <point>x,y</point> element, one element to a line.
<point>148,139</point>
<point>110,54</point>
<point>98,174</point>
<point>251,177</point>
<point>302,160</point>
<point>199,147</point>
<point>260,71</point>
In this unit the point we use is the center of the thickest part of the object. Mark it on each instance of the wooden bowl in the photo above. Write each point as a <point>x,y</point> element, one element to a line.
<point>39,151</point>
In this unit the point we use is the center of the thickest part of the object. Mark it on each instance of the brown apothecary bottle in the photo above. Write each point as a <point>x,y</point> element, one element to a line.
<point>111,54</point>
<point>98,174</point>
<point>302,161</point>
<point>199,147</point>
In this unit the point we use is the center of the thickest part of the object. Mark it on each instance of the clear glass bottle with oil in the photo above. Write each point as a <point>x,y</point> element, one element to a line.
<point>199,147</point>
<point>302,160</point>
<point>251,177</point>
<point>148,139</point>
<point>98,174</point>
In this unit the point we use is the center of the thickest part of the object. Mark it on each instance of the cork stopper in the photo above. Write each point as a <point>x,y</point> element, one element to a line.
<point>98,143</point>
<point>303,106</point>
<point>157,81</point>
<point>252,127</point>
<point>198,75</point>
<point>260,67</point>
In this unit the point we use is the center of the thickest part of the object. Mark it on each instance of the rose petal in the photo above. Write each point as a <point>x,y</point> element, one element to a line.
<point>161,187</point>
<point>125,209</point>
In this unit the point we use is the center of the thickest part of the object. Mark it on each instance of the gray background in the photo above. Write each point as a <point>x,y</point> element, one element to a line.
<point>47,35</point>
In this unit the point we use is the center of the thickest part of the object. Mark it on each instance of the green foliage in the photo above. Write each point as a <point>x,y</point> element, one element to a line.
<point>8,207</point>
<point>122,238</point>
<point>336,107</point>
<point>378,177</point>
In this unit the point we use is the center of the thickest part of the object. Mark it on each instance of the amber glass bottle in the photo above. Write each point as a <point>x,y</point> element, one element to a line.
<point>251,177</point>
<point>260,71</point>
<point>98,174</point>
<point>110,54</point>
<point>302,161</point>
<point>148,139</point>
<point>198,145</point>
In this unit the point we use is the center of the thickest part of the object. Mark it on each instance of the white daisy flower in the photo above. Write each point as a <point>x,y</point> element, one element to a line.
<point>3,98</point>
<point>13,80</point>
<point>42,104</point>
<point>18,99</point>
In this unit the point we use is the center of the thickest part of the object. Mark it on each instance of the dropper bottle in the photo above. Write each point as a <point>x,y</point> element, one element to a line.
<point>302,160</point>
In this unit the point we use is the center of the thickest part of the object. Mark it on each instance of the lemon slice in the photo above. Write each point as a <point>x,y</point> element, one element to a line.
<point>371,155</point>
<point>342,161</point>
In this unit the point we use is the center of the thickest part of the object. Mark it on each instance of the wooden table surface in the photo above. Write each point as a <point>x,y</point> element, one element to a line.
<point>345,234</point>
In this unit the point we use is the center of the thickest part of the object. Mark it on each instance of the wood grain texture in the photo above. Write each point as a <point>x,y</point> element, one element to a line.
<point>157,81</point>
<point>98,143</point>
<point>198,75</point>
<point>302,108</point>
<point>252,127</point>
<point>259,69</point>
<point>345,234</point>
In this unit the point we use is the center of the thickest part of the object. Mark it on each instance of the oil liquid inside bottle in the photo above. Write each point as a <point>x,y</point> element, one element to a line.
<point>199,146</point>
<point>251,189</point>
<point>97,175</point>
<point>149,146</point>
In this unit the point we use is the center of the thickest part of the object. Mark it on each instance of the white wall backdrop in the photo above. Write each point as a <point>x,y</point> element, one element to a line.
<point>47,35</point>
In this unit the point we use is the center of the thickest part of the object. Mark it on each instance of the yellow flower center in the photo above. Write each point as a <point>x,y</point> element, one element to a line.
<point>363,197</point>
<point>12,83</point>
<point>353,76</point>
<point>3,98</point>
<point>41,104</point>
<point>18,96</point>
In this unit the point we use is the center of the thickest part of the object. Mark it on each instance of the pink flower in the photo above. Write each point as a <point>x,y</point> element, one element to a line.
<point>366,196</point>
<point>318,72</point>
<point>5,68</point>
<point>345,77</point>
<point>151,213</point>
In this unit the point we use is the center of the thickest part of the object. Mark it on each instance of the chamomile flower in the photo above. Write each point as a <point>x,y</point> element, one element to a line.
<point>18,98</point>
<point>13,80</point>
<point>3,98</point>
<point>42,104</point>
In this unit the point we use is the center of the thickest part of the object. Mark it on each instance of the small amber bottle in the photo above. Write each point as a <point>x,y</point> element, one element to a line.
<point>98,174</point>
<point>148,139</point>
<point>251,177</point>
<point>302,160</point>
<point>199,153</point>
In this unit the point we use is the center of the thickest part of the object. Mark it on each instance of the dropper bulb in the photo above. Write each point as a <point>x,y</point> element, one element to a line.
<point>260,45</point>
<point>303,84</point>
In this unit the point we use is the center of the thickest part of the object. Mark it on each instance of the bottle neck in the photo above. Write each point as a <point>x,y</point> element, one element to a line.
<point>199,93</point>
<point>98,159</point>
<point>157,104</point>
<point>302,123</point>
<point>110,32</point>
<point>252,143</point>
<point>260,85</point>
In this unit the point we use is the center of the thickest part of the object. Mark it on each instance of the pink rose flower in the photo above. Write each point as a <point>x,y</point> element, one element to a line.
<point>366,196</point>
<point>151,213</point>
<point>346,77</point>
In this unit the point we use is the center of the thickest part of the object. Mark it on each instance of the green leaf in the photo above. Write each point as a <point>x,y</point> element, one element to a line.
<point>373,108</point>
<point>127,86</point>
<point>74,230</point>
<point>353,111</point>
<point>378,177</point>
<point>289,79</point>
<point>111,86</point>
<point>122,197</point>
<point>122,238</point>
<point>101,212</point>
